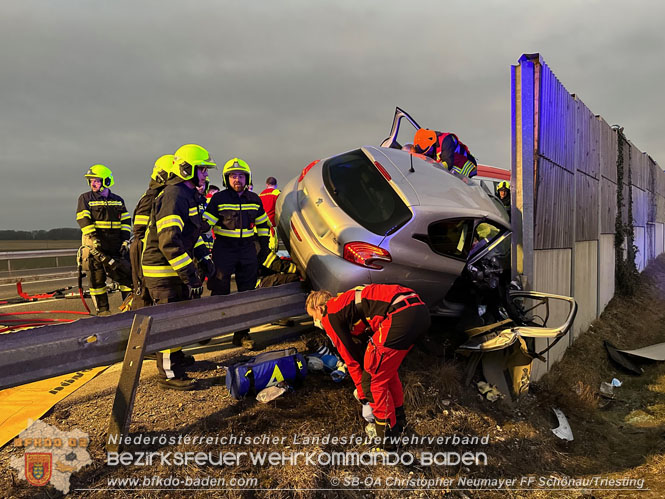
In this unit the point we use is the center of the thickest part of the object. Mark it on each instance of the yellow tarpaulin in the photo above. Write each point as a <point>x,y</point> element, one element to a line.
<point>31,401</point>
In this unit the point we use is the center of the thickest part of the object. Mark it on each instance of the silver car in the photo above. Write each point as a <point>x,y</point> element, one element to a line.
<point>384,215</point>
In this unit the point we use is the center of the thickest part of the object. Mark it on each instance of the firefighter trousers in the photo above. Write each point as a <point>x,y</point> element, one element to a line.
<point>97,274</point>
<point>238,259</point>
<point>170,362</point>
<point>385,352</point>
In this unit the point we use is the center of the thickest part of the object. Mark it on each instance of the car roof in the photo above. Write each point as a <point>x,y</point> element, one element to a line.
<point>431,184</point>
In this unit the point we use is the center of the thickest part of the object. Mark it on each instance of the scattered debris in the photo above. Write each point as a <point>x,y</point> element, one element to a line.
<point>562,431</point>
<point>621,359</point>
<point>607,390</point>
<point>491,392</point>
<point>272,392</point>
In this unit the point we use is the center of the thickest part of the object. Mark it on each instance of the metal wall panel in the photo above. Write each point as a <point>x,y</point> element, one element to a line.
<point>552,271</point>
<point>586,207</point>
<point>608,151</point>
<point>586,283</point>
<point>640,242</point>
<point>586,141</point>
<point>556,139</point>
<point>608,206</point>
<point>606,269</point>
<point>640,206</point>
<point>554,204</point>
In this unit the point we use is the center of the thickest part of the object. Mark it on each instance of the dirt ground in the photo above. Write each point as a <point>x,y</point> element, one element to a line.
<point>622,439</point>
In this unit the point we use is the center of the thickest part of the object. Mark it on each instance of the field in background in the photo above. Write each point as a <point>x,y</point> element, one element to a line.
<point>36,245</point>
<point>32,245</point>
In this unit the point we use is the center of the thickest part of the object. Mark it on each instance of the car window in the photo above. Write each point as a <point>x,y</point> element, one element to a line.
<point>364,194</point>
<point>450,237</point>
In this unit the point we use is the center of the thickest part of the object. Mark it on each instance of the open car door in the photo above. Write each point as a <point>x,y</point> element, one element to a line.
<point>391,142</point>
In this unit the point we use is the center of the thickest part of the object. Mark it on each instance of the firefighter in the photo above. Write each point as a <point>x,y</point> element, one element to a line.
<point>141,219</point>
<point>503,191</point>
<point>394,318</point>
<point>274,271</point>
<point>105,228</point>
<point>172,243</point>
<point>447,149</point>
<point>269,199</point>
<point>234,213</point>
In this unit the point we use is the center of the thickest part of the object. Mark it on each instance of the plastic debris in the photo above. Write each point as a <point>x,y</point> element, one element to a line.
<point>607,390</point>
<point>273,392</point>
<point>562,431</point>
<point>314,363</point>
<point>491,392</point>
<point>616,382</point>
<point>368,414</point>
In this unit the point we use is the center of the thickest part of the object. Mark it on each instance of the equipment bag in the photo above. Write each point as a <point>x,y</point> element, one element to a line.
<point>266,369</point>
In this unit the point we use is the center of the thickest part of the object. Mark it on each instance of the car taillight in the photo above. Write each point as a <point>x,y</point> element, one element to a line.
<point>306,169</point>
<point>366,254</point>
<point>293,228</point>
<point>383,171</point>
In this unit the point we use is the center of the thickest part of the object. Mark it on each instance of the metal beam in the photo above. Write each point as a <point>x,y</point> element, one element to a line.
<point>48,351</point>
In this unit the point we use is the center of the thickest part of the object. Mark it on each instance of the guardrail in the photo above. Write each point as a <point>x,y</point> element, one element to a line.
<point>22,255</point>
<point>49,351</point>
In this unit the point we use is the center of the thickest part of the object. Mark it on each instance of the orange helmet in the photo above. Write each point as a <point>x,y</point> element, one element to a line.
<point>424,139</point>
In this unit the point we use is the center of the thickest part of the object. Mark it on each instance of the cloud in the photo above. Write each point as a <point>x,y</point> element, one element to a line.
<point>283,83</point>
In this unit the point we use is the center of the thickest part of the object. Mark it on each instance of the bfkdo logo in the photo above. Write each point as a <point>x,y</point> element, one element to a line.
<point>38,467</point>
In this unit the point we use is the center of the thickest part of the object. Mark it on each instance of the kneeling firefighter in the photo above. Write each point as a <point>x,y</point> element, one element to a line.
<point>105,230</point>
<point>171,242</point>
<point>394,318</point>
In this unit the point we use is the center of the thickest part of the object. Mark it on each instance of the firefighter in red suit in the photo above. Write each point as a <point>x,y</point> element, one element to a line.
<point>394,317</point>
<point>269,200</point>
<point>447,149</point>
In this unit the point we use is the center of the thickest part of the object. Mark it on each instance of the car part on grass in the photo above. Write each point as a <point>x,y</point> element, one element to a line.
<point>506,348</point>
<point>563,431</point>
<point>652,352</point>
<point>622,360</point>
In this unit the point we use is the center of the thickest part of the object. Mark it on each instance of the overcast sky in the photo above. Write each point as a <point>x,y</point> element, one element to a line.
<point>280,83</point>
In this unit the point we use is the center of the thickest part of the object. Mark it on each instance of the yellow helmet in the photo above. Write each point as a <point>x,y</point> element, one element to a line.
<point>187,158</point>
<point>236,165</point>
<point>163,166</point>
<point>100,172</point>
<point>503,185</point>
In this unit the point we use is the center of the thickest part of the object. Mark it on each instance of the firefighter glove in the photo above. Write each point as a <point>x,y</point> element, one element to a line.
<point>124,249</point>
<point>368,414</point>
<point>96,243</point>
<point>195,292</point>
<point>207,267</point>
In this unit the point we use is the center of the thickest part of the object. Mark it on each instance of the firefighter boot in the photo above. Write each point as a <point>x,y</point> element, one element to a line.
<point>101,302</point>
<point>242,338</point>
<point>400,415</point>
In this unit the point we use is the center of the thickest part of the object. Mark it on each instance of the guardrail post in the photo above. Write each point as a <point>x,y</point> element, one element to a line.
<point>121,414</point>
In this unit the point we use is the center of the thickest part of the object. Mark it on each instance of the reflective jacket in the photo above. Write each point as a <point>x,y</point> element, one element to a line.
<point>104,218</point>
<point>269,199</point>
<point>143,208</point>
<point>343,321</point>
<point>233,218</point>
<point>456,155</point>
<point>173,238</point>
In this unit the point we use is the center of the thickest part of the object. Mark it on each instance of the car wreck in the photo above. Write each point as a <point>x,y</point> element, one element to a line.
<point>387,215</point>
